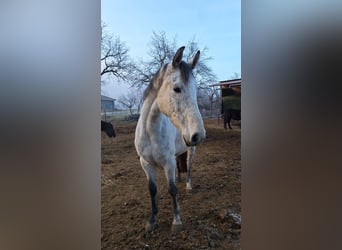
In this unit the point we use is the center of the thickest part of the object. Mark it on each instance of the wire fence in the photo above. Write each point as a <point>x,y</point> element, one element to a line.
<point>127,116</point>
<point>121,115</point>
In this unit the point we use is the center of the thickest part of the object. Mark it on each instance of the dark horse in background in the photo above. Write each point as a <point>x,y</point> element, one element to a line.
<point>230,107</point>
<point>108,128</point>
<point>230,114</point>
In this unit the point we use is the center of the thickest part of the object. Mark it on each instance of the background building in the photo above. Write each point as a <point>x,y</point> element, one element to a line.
<point>107,104</point>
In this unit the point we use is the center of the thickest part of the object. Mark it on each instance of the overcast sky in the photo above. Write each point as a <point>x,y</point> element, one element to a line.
<point>215,24</point>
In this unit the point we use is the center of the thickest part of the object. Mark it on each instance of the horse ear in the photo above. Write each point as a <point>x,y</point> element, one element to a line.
<point>178,57</point>
<point>194,60</point>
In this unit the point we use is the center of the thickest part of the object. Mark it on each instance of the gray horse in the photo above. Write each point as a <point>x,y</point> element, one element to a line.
<point>169,123</point>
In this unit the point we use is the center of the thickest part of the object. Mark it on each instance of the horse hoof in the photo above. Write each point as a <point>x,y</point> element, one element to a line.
<point>188,188</point>
<point>176,227</point>
<point>150,227</point>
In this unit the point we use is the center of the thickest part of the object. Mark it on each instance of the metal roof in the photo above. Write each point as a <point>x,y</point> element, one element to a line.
<point>106,98</point>
<point>233,82</point>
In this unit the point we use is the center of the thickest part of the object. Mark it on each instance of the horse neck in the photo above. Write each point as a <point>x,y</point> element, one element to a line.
<point>150,111</point>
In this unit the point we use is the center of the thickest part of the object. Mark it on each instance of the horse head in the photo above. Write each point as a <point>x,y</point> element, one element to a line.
<point>177,97</point>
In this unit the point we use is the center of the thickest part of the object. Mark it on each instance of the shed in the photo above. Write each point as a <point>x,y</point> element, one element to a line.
<point>230,94</point>
<point>107,103</point>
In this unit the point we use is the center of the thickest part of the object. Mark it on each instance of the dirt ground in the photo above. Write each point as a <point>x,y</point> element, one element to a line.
<point>207,213</point>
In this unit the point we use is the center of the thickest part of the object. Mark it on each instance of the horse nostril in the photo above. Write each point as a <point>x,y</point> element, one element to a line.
<point>195,138</point>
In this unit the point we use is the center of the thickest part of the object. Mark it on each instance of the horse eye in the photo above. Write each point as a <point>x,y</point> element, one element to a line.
<point>177,90</point>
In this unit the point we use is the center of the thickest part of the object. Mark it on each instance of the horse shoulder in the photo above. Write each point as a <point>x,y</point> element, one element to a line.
<point>141,141</point>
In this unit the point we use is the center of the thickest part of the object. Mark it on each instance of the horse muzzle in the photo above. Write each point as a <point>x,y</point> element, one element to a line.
<point>194,140</point>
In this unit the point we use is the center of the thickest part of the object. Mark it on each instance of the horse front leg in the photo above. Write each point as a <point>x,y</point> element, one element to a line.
<point>191,152</point>
<point>177,222</point>
<point>152,186</point>
<point>153,193</point>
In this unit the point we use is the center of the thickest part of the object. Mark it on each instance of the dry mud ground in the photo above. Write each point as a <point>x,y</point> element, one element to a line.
<point>216,181</point>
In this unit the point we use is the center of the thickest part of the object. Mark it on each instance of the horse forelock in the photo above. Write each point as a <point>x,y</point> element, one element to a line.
<point>185,70</point>
<point>157,80</point>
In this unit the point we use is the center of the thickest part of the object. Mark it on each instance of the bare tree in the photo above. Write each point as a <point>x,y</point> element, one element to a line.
<point>161,51</point>
<point>208,99</point>
<point>202,72</point>
<point>130,100</point>
<point>114,56</point>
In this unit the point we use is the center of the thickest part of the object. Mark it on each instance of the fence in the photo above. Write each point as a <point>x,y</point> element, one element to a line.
<point>122,115</point>
<point>125,115</point>
<point>211,114</point>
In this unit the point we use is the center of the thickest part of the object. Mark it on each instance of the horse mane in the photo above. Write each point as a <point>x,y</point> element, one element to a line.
<point>153,88</point>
